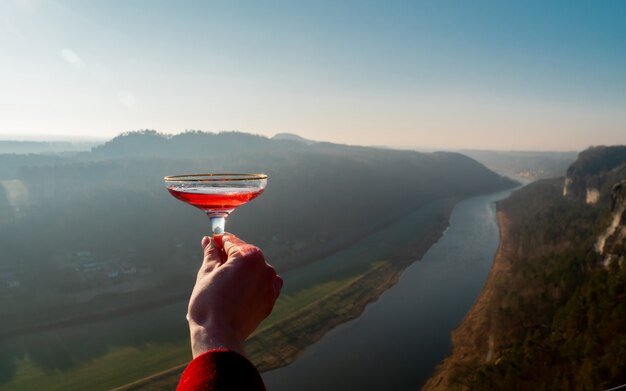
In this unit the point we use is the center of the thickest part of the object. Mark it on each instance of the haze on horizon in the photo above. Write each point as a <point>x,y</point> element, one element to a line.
<point>486,74</point>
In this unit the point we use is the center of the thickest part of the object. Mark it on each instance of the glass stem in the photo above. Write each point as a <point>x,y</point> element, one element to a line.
<point>218,221</point>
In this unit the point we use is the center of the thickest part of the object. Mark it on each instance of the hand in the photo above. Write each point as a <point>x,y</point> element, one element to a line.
<point>235,290</point>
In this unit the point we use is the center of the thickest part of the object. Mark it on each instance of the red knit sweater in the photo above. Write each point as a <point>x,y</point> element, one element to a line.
<point>220,370</point>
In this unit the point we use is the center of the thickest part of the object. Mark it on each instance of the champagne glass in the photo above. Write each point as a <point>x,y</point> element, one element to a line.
<point>216,194</point>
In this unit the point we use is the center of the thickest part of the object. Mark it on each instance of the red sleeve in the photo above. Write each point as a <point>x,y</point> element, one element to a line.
<point>220,370</point>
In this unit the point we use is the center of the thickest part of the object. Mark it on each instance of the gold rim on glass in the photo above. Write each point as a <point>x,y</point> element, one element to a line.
<point>214,177</point>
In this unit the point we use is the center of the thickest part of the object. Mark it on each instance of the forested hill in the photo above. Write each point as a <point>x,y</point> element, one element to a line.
<point>557,317</point>
<point>318,194</point>
<point>83,223</point>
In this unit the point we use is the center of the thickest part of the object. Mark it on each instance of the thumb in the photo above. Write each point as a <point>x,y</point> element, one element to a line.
<point>232,244</point>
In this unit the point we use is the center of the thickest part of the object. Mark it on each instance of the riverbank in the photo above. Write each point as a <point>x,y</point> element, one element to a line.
<point>279,343</point>
<point>472,340</point>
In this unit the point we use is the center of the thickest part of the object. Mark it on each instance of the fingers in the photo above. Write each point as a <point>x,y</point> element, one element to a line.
<point>205,242</point>
<point>213,255</point>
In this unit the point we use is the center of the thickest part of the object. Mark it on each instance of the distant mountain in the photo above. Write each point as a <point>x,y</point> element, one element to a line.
<point>25,147</point>
<point>11,164</point>
<point>350,183</point>
<point>149,143</point>
<point>292,137</point>
<point>528,165</point>
<point>553,314</point>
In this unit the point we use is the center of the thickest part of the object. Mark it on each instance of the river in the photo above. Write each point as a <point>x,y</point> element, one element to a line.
<point>399,339</point>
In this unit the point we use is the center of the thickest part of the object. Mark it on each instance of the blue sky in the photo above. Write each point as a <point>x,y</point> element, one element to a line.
<point>456,74</point>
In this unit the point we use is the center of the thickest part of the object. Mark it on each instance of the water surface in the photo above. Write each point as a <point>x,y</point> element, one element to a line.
<point>399,339</point>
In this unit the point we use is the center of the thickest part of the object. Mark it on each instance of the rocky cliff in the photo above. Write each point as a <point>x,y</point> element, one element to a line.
<point>591,171</point>
<point>611,243</point>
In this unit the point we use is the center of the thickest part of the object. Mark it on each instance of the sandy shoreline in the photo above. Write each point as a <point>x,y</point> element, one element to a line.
<point>472,340</point>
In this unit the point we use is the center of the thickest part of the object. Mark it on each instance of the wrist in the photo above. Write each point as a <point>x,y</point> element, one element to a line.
<point>209,337</point>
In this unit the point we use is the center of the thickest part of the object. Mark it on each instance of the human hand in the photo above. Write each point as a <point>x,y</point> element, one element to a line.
<point>235,290</point>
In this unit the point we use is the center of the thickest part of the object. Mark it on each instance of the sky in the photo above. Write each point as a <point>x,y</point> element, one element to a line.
<point>526,75</point>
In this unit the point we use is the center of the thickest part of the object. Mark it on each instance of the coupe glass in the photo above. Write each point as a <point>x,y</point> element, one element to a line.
<point>216,194</point>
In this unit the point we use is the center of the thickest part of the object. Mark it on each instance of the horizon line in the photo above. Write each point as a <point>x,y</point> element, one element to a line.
<point>69,138</point>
